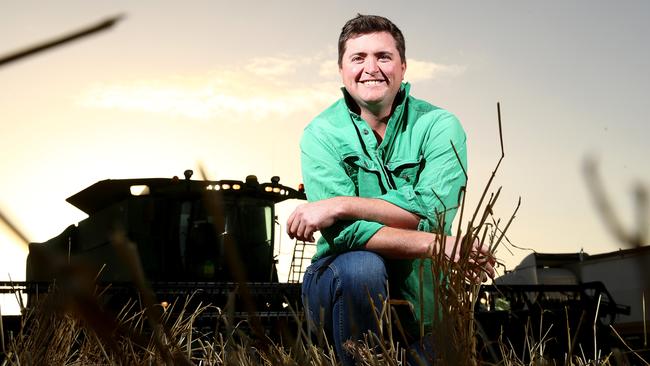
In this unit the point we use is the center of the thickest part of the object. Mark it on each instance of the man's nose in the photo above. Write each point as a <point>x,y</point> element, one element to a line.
<point>371,66</point>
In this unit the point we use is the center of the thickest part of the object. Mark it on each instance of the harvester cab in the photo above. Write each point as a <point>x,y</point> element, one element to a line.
<point>178,225</point>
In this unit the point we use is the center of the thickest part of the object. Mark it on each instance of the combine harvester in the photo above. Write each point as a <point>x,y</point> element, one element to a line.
<point>210,239</point>
<point>570,302</point>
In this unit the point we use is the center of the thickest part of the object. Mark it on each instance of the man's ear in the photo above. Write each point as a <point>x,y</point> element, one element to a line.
<point>403,66</point>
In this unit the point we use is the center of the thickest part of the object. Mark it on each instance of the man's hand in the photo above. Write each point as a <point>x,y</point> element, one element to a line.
<point>480,258</point>
<point>311,217</point>
<point>308,218</point>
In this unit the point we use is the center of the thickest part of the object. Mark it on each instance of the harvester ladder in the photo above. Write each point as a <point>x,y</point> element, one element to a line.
<point>297,268</point>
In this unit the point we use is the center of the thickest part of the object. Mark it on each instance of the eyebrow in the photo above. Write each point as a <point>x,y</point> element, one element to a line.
<point>375,53</point>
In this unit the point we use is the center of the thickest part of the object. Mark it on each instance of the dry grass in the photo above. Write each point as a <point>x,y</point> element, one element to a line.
<point>59,337</point>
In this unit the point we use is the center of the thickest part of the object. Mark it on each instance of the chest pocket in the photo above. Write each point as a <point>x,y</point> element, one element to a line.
<point>405,172</point>
<point>364,173</point>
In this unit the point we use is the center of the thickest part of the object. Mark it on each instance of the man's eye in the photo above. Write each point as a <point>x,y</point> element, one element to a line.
<point>357,59</point>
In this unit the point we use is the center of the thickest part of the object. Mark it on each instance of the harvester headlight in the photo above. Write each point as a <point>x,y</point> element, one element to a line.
<point>209,187</point>
<point>268,189</point>
<point>139,190</point>
<point>236,186</point>
<point>225,186</point>
<point>217,187</point>
<point>282,191</point>
<point>276,190</point>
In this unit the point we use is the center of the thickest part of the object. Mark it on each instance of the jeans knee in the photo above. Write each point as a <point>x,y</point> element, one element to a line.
<point>363,270</point>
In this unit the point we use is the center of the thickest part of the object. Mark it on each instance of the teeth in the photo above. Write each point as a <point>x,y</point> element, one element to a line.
<point>372,82</point>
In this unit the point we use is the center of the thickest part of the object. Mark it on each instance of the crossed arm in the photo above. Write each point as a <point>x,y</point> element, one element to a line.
<point>397,239</point>
<point>311,217</point>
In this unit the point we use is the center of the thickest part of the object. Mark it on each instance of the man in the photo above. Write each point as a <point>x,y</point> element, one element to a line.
<point>379,171</point>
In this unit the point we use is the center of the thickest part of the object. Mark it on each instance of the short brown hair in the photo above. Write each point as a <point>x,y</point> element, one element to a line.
<point>365,24</point>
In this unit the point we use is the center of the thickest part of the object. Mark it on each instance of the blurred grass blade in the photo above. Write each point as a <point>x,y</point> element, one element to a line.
<point>13,228</point>
<point>86,31</point>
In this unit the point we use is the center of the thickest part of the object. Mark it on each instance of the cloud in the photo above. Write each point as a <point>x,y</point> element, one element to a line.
<point>274,66</point>
<point>417,70</point>
<point>263,87</point>
<point>224,95</point>
<point>329,69</point>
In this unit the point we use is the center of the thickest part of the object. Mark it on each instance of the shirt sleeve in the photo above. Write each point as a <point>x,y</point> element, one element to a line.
<point>325,177</point>
<point>435,195</point>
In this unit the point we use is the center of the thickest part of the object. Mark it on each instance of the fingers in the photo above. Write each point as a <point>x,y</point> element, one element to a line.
<point>298,227</point>
<point>475,260</point>
<point>477,264</point>
<point>305,232</point>
<point>293,223</point>
<point>483,257</point>
<point>476,277</point>
<point>486,264</point>
<point>488,269</point>
<point>479,275</point>
<point>301,231</point>
<point>481,248</point>
<point>479,271</point>
<point>482,262</point>
<point>296,224</point>
<point>290,220</point>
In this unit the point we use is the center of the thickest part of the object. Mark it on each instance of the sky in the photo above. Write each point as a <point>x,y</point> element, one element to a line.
<point>231,85</point>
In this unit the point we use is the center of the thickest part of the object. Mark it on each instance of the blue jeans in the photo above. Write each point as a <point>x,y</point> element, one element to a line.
<point>336,289</point>
<point>335,293</point>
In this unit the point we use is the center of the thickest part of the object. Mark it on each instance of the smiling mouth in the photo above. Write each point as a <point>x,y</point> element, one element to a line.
<point>372,82</point>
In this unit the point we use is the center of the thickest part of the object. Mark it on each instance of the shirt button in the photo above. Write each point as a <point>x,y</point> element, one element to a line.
<point>365,132</point>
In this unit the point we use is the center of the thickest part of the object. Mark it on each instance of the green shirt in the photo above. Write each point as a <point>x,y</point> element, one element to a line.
<point>414,167</point>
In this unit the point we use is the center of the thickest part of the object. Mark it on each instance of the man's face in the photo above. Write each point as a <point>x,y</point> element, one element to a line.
<point>372,70</point>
